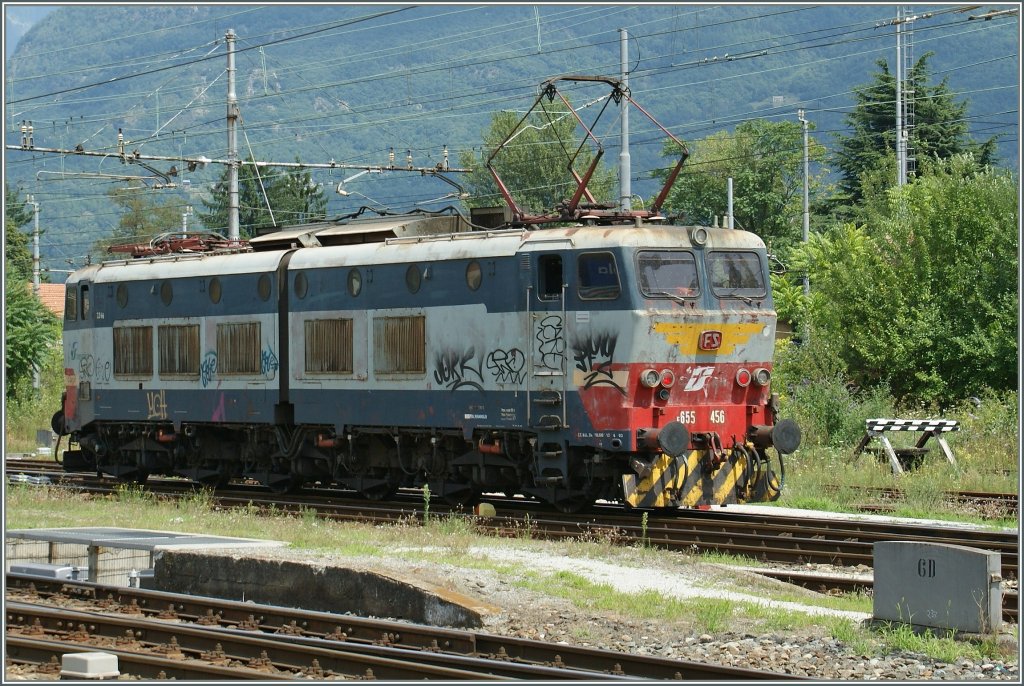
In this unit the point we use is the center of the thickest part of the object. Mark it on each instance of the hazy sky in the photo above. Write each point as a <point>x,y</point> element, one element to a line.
<point>17,20</point>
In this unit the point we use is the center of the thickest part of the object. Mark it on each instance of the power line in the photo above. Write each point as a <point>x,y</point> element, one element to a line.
<point>204,59</point>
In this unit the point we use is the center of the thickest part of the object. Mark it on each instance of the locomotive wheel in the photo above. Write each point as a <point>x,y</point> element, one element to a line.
<point>572,504</point>
<point>283,486</point>
<point>379,492</point>
<point>137,477</point>
<point>460,495</point>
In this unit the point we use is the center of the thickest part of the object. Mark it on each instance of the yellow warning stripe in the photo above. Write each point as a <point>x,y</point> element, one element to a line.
<point>663,486</point>
<point>686,336</point>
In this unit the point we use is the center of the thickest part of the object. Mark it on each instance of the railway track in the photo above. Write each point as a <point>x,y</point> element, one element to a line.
<point>764,537</point>
<point>985,504</point>
<point>284,642</point>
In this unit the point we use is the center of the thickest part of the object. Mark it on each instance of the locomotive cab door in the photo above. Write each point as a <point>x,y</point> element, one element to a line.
<point>545,325</point>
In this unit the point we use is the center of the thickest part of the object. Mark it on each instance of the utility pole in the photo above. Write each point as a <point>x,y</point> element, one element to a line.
<point>625,188</point>
<point>807,207</point>
<point>35,245</point>
<point>35,267</point>
<point>901,150</point>
<point>233,233</point>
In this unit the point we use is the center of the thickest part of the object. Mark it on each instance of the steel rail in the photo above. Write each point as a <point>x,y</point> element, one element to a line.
<point>425,642</point>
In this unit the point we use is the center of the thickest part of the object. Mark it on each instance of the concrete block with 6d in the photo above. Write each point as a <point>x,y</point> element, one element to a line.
<point>938,585</point>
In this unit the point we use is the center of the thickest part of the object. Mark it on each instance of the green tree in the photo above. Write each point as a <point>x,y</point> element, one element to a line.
<point>296,198</point>
<point>292,195</point>
<point>534,166</point>
<point>16,215</point>
<point>923,296</point>
<point>142,216</point>
<point>29,328</point>
<point>939,127</point>
<point>765,161</point>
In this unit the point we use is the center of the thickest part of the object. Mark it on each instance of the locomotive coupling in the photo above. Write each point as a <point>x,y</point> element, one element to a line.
<point>784,436</point>
<point>673,438</point>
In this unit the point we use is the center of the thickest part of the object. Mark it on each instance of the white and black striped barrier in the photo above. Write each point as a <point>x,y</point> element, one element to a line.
<point>902,458</point>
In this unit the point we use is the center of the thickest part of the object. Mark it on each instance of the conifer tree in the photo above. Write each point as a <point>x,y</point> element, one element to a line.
<point>940,128</point>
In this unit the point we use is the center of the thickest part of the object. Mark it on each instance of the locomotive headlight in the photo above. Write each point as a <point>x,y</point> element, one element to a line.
<point>650,378</point>
<point>743,377</point>
<point>668,379</point>
<point>699,235</point>
<point>762,377</point>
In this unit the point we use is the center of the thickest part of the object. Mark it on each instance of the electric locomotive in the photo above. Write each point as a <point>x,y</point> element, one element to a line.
<point>628,362</point>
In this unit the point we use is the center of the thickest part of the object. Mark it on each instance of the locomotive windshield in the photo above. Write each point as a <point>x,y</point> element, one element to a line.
<point>667,274</point>
<point>735,274</point>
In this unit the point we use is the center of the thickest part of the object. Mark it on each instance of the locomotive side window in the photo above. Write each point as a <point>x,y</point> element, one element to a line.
<point>179,350</point>
<point>71,303</point>
<point>166,292</point>
<point>133,351</point>
<point>550,282</point>
<point>399,345</point>
<point>329,346</point>
<point>238,348</point>
<point>355,282</point>
<point>668,274</point>
<point>474,275</point>
<point>413,278</point>
<point>598,276</point>
<point>736,274</point>
<point>215,290</point>
<point>122,295</point>
<point>85,302</point>
<point>263,287</point>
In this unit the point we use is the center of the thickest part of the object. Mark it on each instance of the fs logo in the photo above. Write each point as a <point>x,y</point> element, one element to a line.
<point>710,340</point>
<point>698,377</point>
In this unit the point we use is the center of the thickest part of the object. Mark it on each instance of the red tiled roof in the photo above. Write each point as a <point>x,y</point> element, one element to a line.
<point>52,295</point>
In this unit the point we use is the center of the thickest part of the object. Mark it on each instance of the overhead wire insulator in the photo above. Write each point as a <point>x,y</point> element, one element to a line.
<point>391,158</point>
<point>446,157</point>
<point>31,143</point>
<point>408,158</point>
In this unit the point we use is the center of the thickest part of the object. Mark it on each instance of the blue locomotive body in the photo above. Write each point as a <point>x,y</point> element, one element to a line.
<point>627,363</point>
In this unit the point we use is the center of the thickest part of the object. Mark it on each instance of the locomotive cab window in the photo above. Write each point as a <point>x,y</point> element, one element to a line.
<point>598,277</point>
<point>85,302</point>
<point>71,303</point>
<point>549,286</point>
<point>735,274</point>
<point>668,274</point>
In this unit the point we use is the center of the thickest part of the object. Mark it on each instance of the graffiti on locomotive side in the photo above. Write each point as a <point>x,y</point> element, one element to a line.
<point>594,356</point>
<point>551,346</point>
<point>157,404</point>
<point>453,369</point>
<point>208,369</point>
<point>268,362</point>
<point>507,365</point>
<point>91,369</point>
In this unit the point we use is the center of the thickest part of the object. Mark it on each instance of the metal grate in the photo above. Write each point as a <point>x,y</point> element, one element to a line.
<point>179,350</point>
<point>133,351</point>
<point>329,346</point>
<point>399,345</point>
<point>238,348</point>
